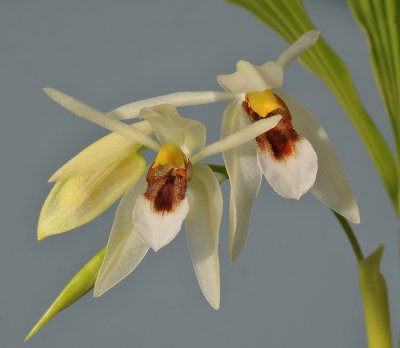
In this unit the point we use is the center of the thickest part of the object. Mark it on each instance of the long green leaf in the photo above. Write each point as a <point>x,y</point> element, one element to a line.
<point>78,286</point>
<point>290,20</point>
<point>378,20</point>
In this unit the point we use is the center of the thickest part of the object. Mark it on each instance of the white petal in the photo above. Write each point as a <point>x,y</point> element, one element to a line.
<point>294,175</point>
<point>240,137</point>
<point>331,186</point>
<point>125,248</point>
<point>170,126</point>
<point>92,115</point>
<point>158,229</point>
<point>302,44</point>
<point>132,110</point>
<point>100,154</point>
<point>244,177</point>
<point>249,77</point>
<point>202,230</point>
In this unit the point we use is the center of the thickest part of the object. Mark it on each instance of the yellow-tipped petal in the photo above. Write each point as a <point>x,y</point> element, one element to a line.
<point>75,201</point>
<point>101,153</point>
<point>78,286</point>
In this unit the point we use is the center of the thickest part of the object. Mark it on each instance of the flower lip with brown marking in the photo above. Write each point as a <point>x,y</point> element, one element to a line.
<point>279,141</point>
<point>167,186</point>
<point>164,200</point>
<point>288,161</point>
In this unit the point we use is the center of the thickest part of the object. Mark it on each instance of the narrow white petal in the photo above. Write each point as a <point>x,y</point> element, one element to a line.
<point>178,99</point>
<point>294,175</point>
<point>100,154</point>
<point>202,230</point>
<point>302,44</point>
<point>244,177</point>
<point>240,137</point>
<point>92,115</point>
<point>249,77</point>
<point>158,229</point>
<point>331,186</point>
<point>170,127</point>
<point>125,248</point>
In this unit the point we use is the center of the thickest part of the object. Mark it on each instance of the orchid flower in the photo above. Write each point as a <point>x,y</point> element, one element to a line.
<point>176,188</point>
<point>100,174</point>
<point>296,156</point>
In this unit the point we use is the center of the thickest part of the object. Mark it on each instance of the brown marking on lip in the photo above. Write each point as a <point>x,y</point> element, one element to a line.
<point>279,141</point>
<point>167,187</point>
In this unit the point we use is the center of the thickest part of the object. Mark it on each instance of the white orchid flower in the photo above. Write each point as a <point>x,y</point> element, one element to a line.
<point>99,175</point>
<point>176,188</point>
<point>296,156</point>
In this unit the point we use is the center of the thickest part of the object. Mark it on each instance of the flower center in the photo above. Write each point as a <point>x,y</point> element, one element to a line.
<point>167,179</point>
<point>171,156</point>
<point>280,140</point>
<point>263,102</point>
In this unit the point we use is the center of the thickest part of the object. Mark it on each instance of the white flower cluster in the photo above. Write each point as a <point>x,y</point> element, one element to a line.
<point>264,132</point>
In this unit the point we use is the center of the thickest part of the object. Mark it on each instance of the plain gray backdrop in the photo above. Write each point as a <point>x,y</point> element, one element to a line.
<point>295,284</point>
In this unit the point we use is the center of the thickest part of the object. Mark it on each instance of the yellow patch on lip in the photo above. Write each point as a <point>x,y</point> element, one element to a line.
<point>170,156</point>
<point>263,102</point>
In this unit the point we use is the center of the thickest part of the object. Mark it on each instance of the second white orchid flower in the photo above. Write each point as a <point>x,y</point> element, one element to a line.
<point>296,156</point>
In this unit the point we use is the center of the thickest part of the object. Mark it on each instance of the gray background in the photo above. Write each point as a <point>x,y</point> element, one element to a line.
<point>295,283</point>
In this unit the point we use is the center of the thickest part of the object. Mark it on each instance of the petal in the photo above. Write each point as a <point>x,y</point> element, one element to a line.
<point>132,110</point>
<point>92,115</point>
<point>331,186</point>
<point>111,148</point>
<point>202,230</point>
<point>249,77</point>
<point>158,229</point>
<point>240,137</point>
<point>244,177</point>
<point>170,127</point>
<point>77,200</point>
<point>125,248</point>
<point>292,176</point>
<point>302,44</point>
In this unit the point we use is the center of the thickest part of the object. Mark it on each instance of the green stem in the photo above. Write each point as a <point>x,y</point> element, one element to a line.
<point>351,237</point>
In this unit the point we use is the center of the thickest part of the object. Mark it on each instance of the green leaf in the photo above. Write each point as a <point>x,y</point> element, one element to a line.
<point>375,301</point>
<point>289,19</point>
<point>78,286</point>
<point>378,20</point>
